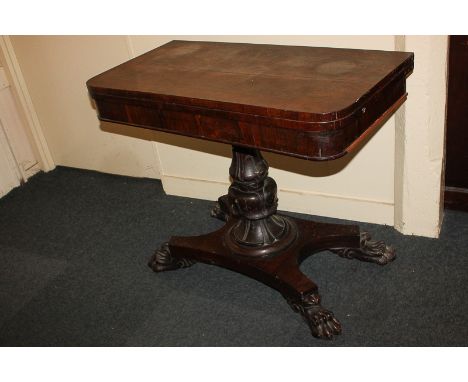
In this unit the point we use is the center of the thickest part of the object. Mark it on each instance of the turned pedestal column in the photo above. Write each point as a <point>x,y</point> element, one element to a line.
<point>267,246</point>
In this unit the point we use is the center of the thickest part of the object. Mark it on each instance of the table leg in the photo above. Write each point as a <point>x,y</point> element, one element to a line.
<point>369,250</point>
<point>267,246</point>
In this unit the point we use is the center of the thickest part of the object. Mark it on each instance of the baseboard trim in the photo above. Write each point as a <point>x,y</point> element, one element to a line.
<point>307,202</point>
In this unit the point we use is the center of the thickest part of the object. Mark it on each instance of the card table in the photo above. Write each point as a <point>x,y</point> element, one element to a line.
<point>312,103</point>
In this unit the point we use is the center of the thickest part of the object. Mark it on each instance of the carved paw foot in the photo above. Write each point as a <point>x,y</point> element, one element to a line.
<point>162,260</point>
<point>218,213</point>
<point>321,321</point>
<point>370,250</point>
<point>220,209</point>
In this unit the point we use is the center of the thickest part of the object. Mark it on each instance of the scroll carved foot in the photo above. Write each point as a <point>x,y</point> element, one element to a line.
<point>162,260</point>
<point>220,209</point>
<point>371,251</point>
<point>218,213</point>
<point>321,321</point>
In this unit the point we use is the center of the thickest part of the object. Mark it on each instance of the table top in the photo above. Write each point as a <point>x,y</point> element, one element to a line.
<point>302,90</point>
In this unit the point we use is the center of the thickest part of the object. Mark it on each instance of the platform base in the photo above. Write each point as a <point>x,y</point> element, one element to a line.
<point>269,247</point>
<point>281,270</point>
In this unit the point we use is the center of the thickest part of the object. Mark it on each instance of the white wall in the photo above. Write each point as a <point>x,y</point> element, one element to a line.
<point>341,188</point>
<point>56,69</point>
<point>420,137</point>
<point>362,187</point>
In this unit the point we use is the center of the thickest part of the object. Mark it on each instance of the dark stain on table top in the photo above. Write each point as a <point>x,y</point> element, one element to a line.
<point>296,82</point>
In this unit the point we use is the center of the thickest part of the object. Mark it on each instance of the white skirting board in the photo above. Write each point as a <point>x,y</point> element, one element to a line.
<point>363,210</point>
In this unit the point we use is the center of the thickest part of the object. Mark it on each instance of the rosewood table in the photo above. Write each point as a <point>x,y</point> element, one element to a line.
<point>313,103</point>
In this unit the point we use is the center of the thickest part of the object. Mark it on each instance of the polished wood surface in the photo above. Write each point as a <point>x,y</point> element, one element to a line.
<point>456,198</point>
<point>267,246</point>
<point>307,102</point>
<point>314,103</point>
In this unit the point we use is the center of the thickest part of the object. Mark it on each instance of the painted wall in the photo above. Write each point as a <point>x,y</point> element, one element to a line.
<point>340,189</point>
<point>362,187</point>
<point>55,69</point>
<point>420,140</point>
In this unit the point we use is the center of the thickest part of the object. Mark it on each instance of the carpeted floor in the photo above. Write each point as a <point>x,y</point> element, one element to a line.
<point>74,246</point>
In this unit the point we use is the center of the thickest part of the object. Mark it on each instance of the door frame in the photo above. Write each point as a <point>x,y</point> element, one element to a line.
<point>10,176</point>
<point>26,108</point>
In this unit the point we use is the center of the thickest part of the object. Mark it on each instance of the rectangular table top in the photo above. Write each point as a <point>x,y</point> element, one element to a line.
<point>265,96</point>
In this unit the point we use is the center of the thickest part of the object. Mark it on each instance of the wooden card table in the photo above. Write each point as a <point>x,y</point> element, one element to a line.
<point>312,103</point>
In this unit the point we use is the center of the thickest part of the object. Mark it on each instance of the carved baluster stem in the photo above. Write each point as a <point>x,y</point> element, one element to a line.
<point>252,201</point>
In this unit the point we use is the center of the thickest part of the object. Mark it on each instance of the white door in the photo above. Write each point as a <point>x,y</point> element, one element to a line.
<point>9,171</point>
<point>17,160</point>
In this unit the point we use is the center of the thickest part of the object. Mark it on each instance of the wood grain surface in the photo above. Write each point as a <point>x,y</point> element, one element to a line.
<point>301,101</point>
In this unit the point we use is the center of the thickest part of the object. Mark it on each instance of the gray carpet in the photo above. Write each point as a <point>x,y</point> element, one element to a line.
<point>74,246</point>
